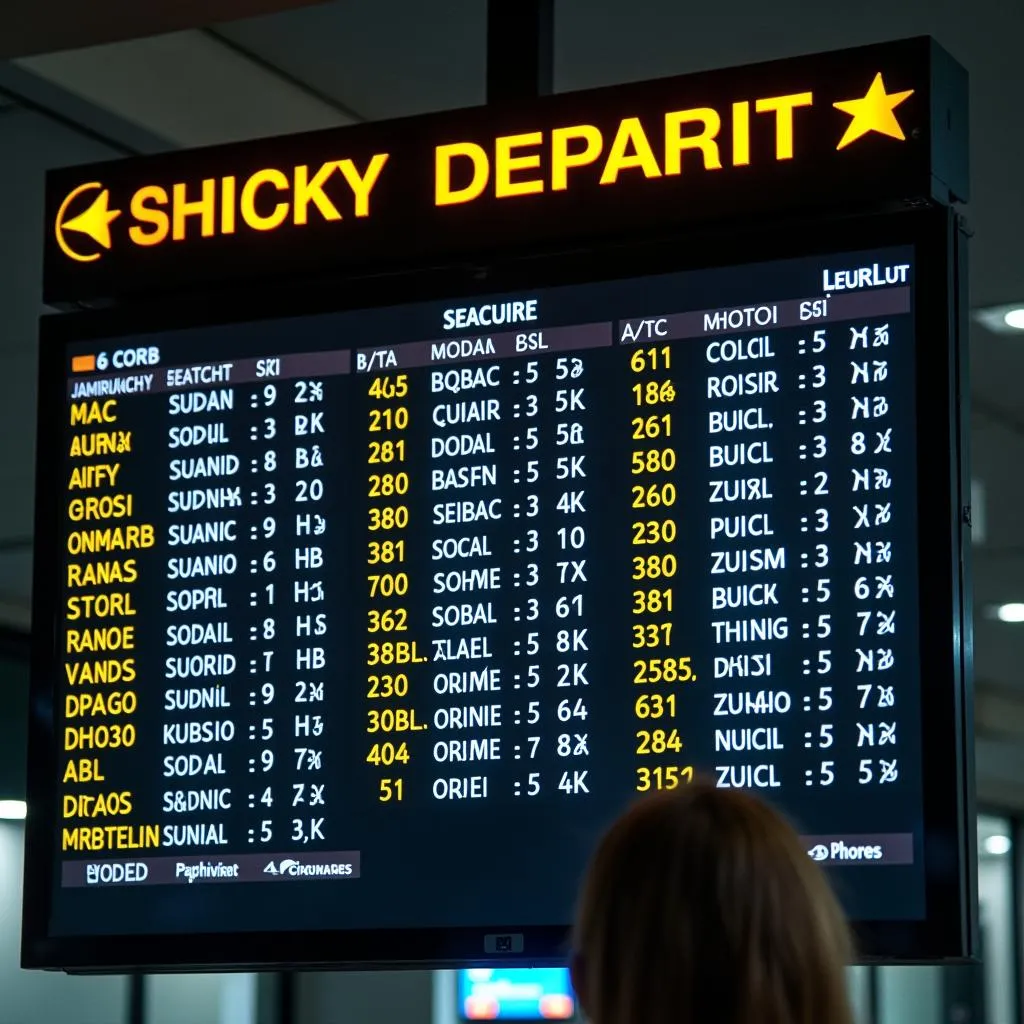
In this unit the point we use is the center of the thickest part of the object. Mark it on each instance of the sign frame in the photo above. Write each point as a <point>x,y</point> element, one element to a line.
<point>872,126</point>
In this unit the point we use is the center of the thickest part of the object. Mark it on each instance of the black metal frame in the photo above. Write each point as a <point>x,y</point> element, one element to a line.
<point>950,929</point>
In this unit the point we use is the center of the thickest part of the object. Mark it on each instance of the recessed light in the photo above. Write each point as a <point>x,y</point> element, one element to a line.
<point>13,810</point>
<point>998,845</point>
<point>1005,319</point>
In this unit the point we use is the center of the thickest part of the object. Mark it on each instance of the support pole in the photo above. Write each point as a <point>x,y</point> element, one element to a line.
<point>520,49</point>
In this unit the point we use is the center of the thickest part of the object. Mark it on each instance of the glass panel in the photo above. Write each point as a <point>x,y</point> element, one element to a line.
<point>995,913</point>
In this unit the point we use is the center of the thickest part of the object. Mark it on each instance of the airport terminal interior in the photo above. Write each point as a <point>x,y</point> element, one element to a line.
<point>84,83</point>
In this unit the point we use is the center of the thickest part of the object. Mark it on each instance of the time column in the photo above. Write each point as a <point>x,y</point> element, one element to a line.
<point>657,667</point>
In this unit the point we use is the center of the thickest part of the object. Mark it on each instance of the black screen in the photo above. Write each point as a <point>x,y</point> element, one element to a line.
<point>374,619</point>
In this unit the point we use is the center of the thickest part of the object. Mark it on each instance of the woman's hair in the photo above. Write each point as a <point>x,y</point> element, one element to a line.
<point>701,906</point>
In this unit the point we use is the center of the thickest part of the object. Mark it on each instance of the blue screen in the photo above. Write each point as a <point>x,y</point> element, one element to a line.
<point>542,993</point>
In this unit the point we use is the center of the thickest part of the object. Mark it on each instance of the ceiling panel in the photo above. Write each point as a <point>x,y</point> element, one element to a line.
<point>383,59</point>
<point>44,26</point>
<point>188,87</point>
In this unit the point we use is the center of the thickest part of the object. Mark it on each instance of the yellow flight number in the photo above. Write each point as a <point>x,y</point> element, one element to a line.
<point>390,517</point>
<point>654,495</point>
<point>388,754</point>
<point>385,551</point>
<point>652,358</point>
<point>663,670</point>
<point>654,460</point>
<point>654,567</point>
<point>389,387</point>
<point>386,485</point>
<point>389,418</point>
<point>654,392</point>
<point>651,427</point>
<point>655,705</point>
<point>668,776</point>
<point>386,451</point>
<point>652,601</point>
<point>652,634</point>
<point>388,685</point>
<point>388,584</point>
<point>393,720</point>
<point>390,789</point>
<point>390,620</point>
<point>658,741</point>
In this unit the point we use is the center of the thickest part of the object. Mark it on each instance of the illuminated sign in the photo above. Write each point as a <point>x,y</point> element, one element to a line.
<point>856,127</point>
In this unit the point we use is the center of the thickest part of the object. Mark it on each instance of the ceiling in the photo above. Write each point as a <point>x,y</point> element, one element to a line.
<point>226,70</point>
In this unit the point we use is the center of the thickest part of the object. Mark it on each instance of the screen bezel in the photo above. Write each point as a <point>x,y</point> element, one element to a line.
<point>945,933</point>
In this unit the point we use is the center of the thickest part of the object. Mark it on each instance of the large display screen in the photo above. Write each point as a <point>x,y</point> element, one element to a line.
<point>373,620</point>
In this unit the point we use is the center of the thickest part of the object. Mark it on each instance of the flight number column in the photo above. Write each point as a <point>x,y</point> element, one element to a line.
<point>391,656</point>
<point>660,665</point>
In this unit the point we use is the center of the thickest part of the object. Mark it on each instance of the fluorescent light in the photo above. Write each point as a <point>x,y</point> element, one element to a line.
<point>1011,612</point>
<point>13,810</point>
<point>997,845</point>
<point>1014,318</point>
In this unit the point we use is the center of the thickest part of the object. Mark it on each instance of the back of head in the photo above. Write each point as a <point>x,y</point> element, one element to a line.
<point>701,906</point>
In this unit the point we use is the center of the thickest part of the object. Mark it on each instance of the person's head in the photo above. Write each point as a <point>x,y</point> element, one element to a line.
<point>701,906</point>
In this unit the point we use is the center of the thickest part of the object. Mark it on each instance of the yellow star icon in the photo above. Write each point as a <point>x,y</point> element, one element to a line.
<point>873,113</point>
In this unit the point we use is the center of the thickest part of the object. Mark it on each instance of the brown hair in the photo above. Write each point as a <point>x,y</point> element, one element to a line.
<point>701,906</point>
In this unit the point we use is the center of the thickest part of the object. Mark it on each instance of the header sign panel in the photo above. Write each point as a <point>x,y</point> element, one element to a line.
<point>846,129</point>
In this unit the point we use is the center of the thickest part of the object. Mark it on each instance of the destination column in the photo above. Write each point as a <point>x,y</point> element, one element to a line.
<point>109,547</point>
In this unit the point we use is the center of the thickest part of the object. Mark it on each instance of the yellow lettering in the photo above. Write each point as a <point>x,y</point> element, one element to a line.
<point>562,159</point>
<point>83,769</point>
<point>704,140</point>
<point>105,638</point>
<point>80,673</point>
<point>110,837</point>
<point>101,443</point>
<point>91,574</point>
<point>99,806</point>
<point>312,191</point>
<point>256,220</point>
<point>227,205</point>
<point>363,185</point>
<point>205,207</point>
<point>143,208</point>
<point>444,194</point>
<point>630,135</point>
<point>100,606</point>
<point>741,134</point>
<point>783,107</point>
<point>84,413</point>
<point>505,164</point>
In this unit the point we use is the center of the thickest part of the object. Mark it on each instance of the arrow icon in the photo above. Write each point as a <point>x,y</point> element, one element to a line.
<point>94,221</point>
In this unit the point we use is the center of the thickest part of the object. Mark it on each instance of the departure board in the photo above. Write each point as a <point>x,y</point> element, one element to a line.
<point>374,619</point>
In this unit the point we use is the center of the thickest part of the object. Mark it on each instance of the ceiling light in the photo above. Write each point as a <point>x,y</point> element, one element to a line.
<point>997,845</point>
<point>1011,612</point>
<point>13,810</point>
<point>1005,319</point>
